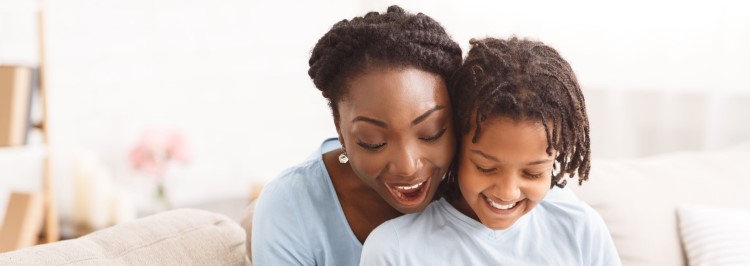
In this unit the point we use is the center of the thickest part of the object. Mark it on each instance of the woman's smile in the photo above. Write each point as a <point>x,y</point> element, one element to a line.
<point>409,194</point>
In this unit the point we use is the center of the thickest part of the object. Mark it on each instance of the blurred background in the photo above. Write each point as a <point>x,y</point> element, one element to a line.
<point>229,80</point>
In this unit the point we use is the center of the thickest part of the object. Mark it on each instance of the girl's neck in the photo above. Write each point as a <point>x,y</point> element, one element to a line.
<point>460,204</point>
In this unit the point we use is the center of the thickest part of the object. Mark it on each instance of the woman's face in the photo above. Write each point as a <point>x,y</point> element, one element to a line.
<point>397,129</point>
<point>507,172</point>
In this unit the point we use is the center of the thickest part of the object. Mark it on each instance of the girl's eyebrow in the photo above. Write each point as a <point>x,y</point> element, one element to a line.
<point>542,161</point>
<point>493,158</point>
<point>486,156</point>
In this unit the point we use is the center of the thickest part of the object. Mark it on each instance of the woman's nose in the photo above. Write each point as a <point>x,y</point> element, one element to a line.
<point>405,161</point>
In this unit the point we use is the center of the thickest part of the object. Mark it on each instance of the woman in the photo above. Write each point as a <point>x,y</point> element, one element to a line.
<point>384,76</point>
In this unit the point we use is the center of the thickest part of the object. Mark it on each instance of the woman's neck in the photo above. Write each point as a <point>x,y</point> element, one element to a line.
<point>364,208</point>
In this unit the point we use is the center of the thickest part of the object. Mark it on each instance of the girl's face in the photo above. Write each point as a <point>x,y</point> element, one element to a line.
<point>507,172</point>
<point>397,129</point>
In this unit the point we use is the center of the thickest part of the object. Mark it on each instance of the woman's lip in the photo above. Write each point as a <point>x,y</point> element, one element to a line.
<point>401,199</point>
<point>407,184</point>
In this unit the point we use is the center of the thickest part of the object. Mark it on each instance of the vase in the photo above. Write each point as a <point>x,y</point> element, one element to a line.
<point>161,199</point>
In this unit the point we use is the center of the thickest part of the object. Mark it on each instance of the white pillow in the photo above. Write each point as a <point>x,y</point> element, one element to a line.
<point>715,236</point>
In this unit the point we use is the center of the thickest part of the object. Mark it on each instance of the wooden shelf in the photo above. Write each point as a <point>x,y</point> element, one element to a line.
<point>30,211</point>
<point>22,169</point>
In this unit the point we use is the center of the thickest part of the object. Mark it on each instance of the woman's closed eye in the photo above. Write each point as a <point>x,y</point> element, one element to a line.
<point>436,136</point>
<point>371,146</point>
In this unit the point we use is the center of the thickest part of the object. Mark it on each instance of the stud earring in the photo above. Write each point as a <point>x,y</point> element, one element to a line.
<point>343,158</point>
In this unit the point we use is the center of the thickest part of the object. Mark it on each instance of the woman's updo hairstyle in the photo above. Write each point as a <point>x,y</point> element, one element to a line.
<point>392,39</point>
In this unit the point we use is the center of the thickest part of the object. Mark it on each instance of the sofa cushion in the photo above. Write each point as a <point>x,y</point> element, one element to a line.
<point>179,237</point>
<point>715,236</point>
<point>638,198</point>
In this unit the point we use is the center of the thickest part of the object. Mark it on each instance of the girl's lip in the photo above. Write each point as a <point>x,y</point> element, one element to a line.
<point>509,211</point>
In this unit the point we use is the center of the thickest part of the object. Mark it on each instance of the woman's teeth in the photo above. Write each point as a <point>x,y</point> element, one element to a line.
<point>410,187</point>
<point>500,206</point>
<point>408,192</point>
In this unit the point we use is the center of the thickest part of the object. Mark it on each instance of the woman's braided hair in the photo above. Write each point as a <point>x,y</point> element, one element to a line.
<point>524,80</point>
<point>393,39</point>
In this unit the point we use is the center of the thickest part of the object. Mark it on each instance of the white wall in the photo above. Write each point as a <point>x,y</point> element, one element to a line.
<point>233,74</point>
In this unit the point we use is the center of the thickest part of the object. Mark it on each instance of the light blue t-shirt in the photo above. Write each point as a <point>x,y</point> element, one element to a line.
<point>553,233</point>
<point>298,219</point>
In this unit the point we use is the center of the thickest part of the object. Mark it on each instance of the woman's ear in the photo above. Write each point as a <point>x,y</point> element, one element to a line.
<point>338,131</point>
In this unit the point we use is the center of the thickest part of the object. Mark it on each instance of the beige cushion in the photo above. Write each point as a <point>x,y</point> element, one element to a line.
<point>715,236</point>
<point>179,237</point>
<point>247,224</point>
<point>638,198</point>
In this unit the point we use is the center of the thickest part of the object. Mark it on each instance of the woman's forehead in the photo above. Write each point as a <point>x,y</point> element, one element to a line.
<point>408,91</point>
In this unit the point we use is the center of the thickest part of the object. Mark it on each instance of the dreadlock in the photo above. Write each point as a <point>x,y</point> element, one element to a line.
<point>524,80</point>
<point>392,39</point>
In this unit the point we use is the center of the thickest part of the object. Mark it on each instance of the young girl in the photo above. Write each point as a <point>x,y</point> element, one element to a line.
<point>521,125</point>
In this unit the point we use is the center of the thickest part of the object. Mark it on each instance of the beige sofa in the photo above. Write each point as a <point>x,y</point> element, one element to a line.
<point>639,200</point>
<point>179,237</point>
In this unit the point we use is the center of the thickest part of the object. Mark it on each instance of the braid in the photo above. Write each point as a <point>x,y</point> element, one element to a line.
<point>392,39</point>
<point>524,79</point>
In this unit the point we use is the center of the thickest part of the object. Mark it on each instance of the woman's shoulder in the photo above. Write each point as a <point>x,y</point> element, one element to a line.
<point>302,184</point>
<point>300,173</point>
<point>309,174</point>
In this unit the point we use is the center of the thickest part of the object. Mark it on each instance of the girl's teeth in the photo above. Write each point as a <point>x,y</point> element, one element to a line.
<point>500,206</point>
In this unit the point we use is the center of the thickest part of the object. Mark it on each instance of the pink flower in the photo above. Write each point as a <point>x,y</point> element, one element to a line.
<point>156,149</point>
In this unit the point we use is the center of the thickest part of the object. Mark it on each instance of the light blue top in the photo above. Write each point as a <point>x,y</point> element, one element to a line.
<point>298,219</point>
<point>553,233</point>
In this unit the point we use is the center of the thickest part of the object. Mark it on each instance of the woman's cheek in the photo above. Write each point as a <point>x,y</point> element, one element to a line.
<point>368,166</point>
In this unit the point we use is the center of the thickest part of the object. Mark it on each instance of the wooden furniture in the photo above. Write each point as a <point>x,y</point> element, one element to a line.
<point>32,217</point>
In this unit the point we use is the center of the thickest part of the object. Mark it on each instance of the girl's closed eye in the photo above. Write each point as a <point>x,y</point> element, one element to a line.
<point>485,169</point>
<point>532,175</point>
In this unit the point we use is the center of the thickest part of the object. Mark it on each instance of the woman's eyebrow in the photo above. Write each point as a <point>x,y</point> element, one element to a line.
<point>382,124</point>
<point>424,116</point>
<point>370,120</point>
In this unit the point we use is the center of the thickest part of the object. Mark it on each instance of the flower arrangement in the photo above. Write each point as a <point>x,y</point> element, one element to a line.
<point>156,150</point>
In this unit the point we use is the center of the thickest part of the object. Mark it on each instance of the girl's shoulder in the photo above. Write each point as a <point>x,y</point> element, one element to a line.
<point>570,215</point>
